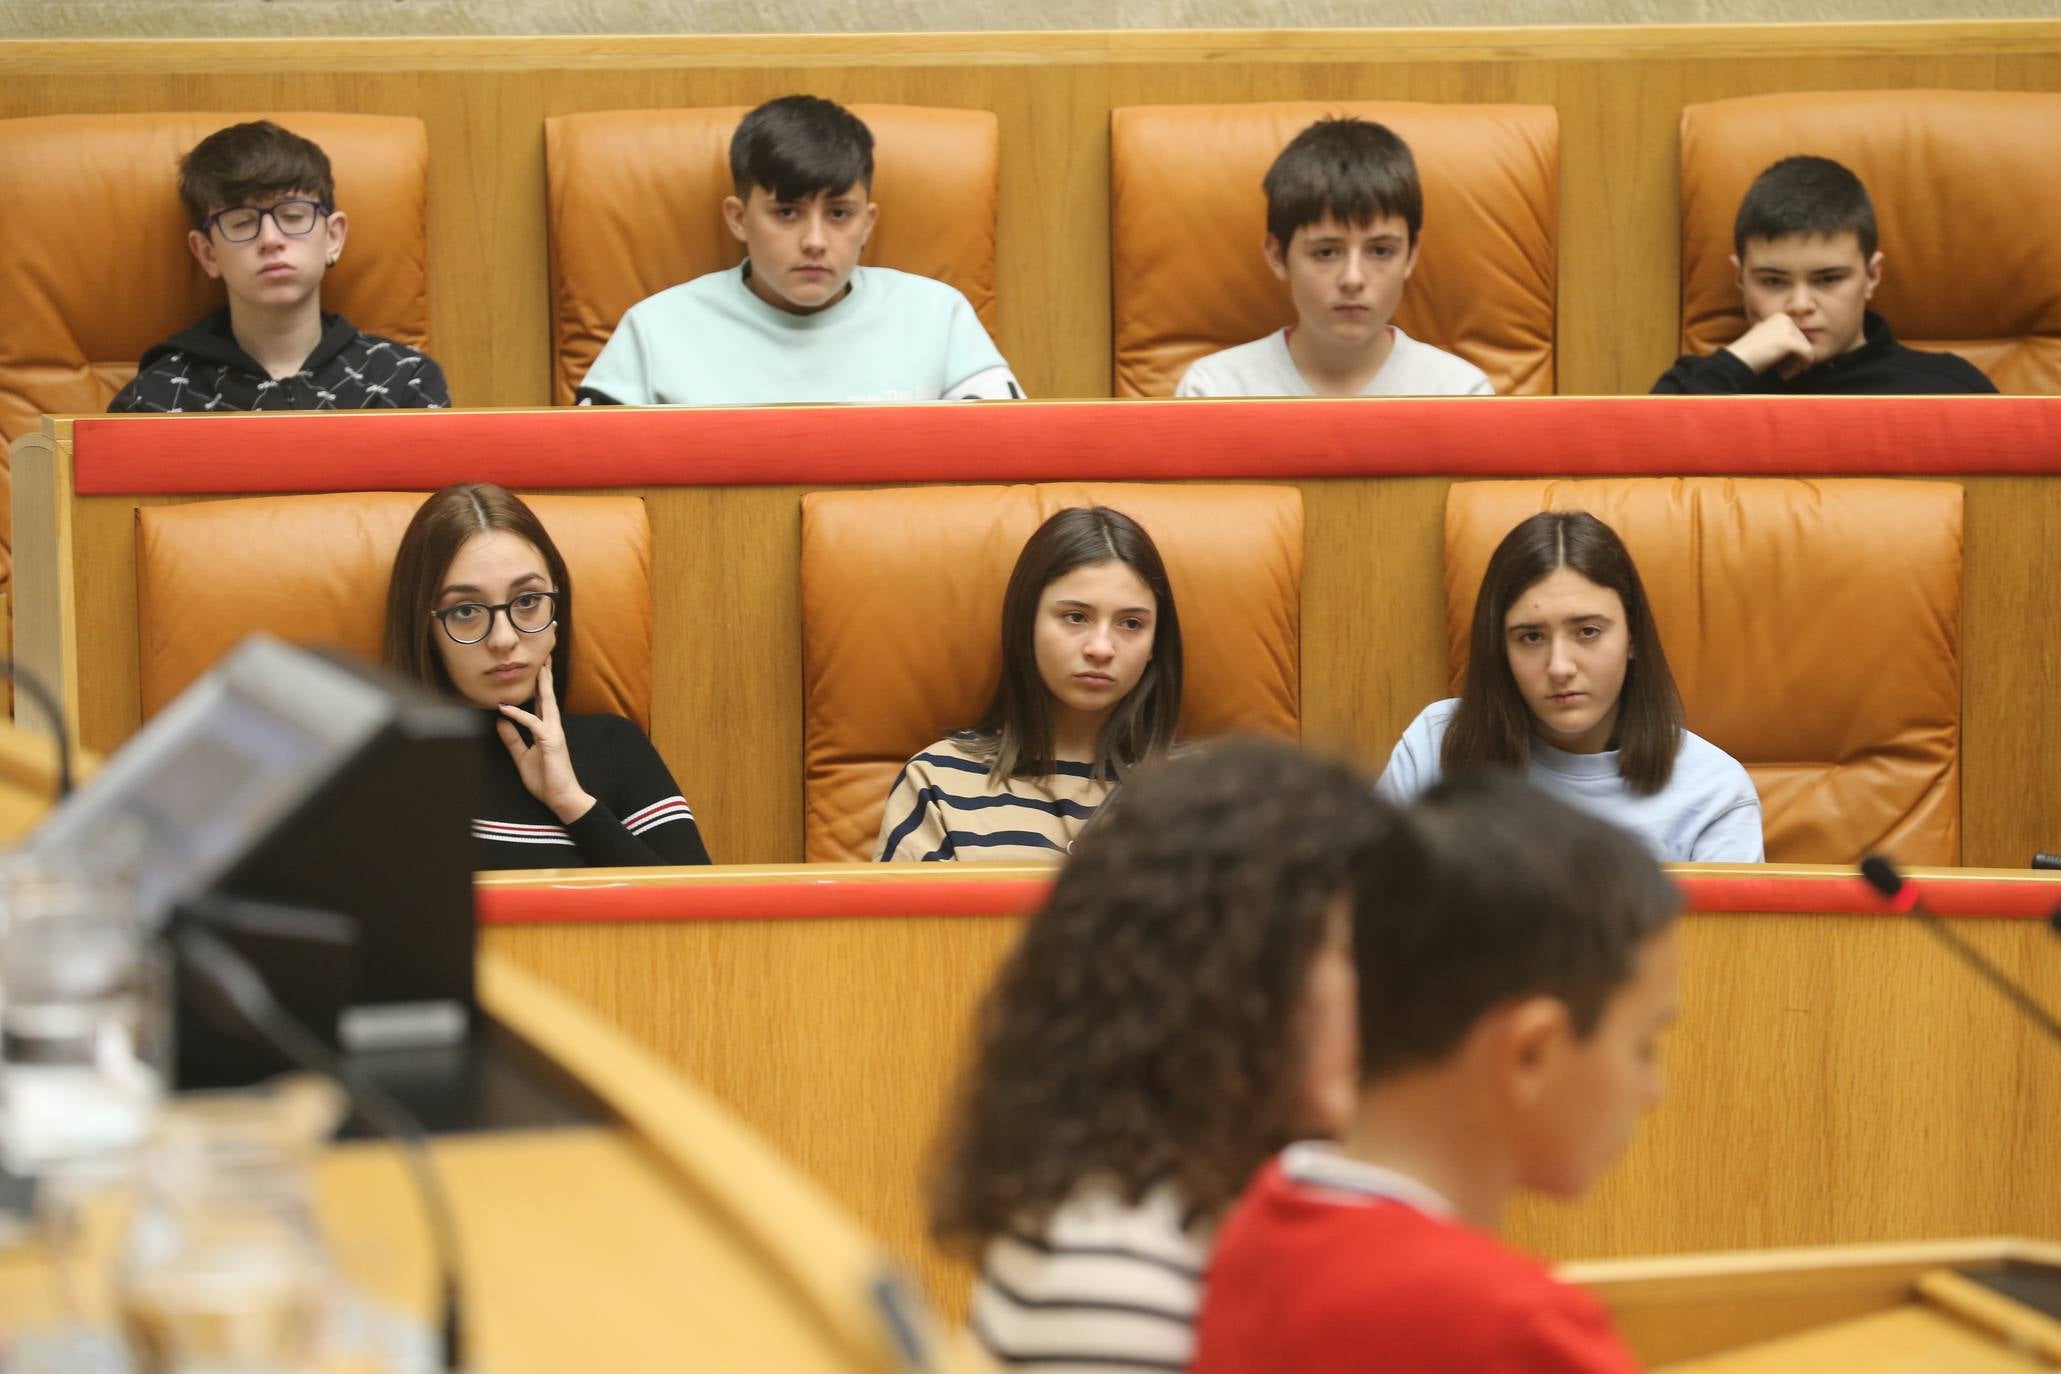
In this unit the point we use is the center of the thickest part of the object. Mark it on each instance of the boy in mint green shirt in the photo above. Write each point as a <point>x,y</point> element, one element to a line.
<point>799,319</point>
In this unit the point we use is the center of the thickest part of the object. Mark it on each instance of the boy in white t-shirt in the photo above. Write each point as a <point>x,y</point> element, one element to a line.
<point>1343,210</point>
<point>799,319</point>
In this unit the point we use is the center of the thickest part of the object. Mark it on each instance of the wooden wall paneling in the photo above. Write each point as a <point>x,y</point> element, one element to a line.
<point>727,675</point>
<point>2010,615</point>
<point>1832,1079</point>
<point>1372,657</point>
<point>44,631</point>
<point>784,1022</point>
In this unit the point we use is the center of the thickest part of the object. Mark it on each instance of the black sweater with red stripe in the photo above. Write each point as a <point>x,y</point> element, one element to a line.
<point>639,818</point>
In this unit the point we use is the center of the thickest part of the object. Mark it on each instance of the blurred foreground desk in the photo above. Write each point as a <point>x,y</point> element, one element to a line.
<point>1836,1076</point>
<point>1971,1306</point>
<point>664,1239</point>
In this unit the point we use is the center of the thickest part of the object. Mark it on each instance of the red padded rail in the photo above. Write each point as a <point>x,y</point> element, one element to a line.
<point>698,899</point>
<point>1065,441</point>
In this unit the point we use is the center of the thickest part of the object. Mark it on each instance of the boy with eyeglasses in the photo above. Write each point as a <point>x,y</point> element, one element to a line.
<point>264,224</point>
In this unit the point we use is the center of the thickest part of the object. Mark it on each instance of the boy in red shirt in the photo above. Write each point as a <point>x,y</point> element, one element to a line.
<point>1516,974</point>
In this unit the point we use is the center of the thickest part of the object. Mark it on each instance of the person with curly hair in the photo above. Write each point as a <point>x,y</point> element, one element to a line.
<point>1180,1008</point>
<point>1090,688</point>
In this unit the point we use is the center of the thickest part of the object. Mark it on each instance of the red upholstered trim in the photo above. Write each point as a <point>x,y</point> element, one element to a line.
<point>706,901</point>
<point>2022,899</point>
<point>847,898</point>
<point>1066,441</point>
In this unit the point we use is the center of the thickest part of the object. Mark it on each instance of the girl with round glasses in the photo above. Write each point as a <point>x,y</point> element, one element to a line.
<point>480,608</point>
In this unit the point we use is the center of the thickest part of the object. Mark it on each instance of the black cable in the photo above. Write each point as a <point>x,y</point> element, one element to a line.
<point>1882,875</point>
<point>46,700</point>
<point>228,973</point>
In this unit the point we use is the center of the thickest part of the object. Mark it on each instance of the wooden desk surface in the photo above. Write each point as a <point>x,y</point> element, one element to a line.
<point>671,1240</point>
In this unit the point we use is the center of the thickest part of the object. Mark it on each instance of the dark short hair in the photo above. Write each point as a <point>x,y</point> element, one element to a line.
<point>1805,195</point>
<point>440,528</point>
<point>1349,169</point>
<point>800,146</point>
<point>1017,726</point>
<point>1493,725</point>
<point>247,162</point>
<point>1146,1026</point>
<point>1488,891</point>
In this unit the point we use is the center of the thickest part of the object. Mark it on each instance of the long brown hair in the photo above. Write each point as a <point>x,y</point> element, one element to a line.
<point>440,528</point>
<point>1017,726</point>
<point>1146,1027</point>
<point>1494,723</point>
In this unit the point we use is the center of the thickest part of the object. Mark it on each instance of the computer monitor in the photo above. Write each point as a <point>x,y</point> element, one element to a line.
<point>300,777</point>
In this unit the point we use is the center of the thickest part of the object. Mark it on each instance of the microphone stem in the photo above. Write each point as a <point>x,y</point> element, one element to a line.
<point>1987,971</point>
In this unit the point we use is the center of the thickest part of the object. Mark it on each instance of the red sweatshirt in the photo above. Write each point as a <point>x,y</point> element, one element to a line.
<point>1329,1266</point>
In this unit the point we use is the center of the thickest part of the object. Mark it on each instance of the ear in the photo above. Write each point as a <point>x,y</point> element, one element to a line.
<point>339,228</point>
<point>1738,272</point>
<point>1277,256</point>
<point>1410,262</point>
<point>202,246</point>
<point>1532,1037</point>
<point>872,218</point>
<point>733,216</point>
<point>1874,278</point>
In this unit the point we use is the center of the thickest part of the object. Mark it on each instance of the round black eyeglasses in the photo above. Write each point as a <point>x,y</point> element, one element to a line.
<point>469,622</point>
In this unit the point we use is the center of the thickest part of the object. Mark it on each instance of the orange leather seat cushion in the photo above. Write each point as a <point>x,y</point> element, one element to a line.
<point>101,270</point>
<point>1814,628</point>
<point>314,570</point>
<point>902,608</point>
<point>1188,218</point>
<point>635,205</point>
<point>1965,195</point>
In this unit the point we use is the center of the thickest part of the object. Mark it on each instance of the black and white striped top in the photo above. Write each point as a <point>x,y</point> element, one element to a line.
<point>1104,1288</point>
<point>946,804</point>
<point>639,818</point>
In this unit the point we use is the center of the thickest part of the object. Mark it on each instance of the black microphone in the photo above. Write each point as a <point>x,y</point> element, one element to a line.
<point>236,999</point>
<point>2042,859</point>
<point>1903,896</point>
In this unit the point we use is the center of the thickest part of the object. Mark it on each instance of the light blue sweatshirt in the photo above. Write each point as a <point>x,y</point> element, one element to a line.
<point>1708,811</point>
<point>896,337</point>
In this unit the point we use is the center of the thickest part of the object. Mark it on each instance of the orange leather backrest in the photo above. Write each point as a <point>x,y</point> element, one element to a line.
<point>1814,629</point>
<point>636,205</point>
<point>1964,192</point>
<point>314,569</point>
<point>902,612</point>
<point>1188,218</point>
<point>94,266</point>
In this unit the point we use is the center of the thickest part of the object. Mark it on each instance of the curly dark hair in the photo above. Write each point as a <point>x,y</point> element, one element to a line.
<point>1145,1028</point>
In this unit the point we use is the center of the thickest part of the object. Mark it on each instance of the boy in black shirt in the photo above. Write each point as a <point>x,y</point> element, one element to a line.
<point>262,204</point>
<point>1805,252</point>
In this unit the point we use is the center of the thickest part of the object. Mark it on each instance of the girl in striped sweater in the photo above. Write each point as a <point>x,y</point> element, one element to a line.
<point>1090,688</point>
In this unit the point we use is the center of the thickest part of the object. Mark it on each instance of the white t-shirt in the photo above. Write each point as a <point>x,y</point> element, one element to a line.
<point>894,337</point>
<point>1708,811</point>
<point>1265,368</point>
<point>1104,1288</point>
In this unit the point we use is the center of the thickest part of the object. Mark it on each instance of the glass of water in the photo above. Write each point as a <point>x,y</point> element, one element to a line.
<point>84,1022</point>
